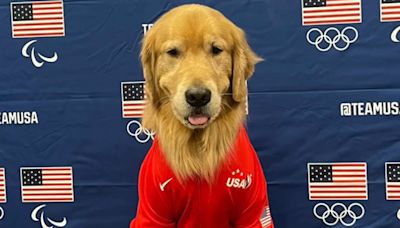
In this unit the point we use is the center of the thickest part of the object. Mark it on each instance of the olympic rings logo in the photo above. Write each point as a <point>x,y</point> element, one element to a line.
<point>1,213</point>
<point>398,214</point>
<point>340,214</point>
<point>141,134</point>
<point>340,40</point>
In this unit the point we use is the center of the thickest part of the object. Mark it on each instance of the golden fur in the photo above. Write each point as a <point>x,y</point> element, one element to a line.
<point>183,50</point>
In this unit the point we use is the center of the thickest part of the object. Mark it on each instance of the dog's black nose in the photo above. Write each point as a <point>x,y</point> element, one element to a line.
<point>198,96</point>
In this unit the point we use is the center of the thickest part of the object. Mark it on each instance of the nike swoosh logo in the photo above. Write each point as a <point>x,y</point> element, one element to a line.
<point>162,186</point>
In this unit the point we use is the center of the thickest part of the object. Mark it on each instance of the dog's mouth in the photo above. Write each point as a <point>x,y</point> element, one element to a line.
<point>198,120</point>
<point>196,108</point>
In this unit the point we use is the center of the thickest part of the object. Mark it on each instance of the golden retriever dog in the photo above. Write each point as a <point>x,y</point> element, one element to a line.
<point>196,63</point>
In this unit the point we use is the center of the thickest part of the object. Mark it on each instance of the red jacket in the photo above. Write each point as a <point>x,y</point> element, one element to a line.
<point>238,197</point>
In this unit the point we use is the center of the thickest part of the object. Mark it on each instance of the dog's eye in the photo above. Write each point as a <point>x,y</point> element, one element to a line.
<point>173,52</point>
<point>215,50</point>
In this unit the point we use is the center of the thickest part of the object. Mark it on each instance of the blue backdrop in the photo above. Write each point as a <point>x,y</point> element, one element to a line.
<point>327,92</point>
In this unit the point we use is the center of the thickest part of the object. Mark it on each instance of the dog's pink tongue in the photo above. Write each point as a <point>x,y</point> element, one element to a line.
<point>198,120</point>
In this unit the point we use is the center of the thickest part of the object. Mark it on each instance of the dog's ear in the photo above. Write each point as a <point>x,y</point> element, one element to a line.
<point>243,60</point>
<point>148,58</point>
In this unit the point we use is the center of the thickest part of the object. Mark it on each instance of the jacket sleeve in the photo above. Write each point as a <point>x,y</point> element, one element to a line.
<point>253,211</point>
<point>154,209</point>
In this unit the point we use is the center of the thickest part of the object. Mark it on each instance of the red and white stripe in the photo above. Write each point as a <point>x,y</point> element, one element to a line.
<point>48,21</point>
<point>133,109</point>
<point>57,186</point>
<point>335,12</point>
<point>349,182</point>
<point>393,190</point>
<point>3,195</point>
<point>390,12</point>
<point>266,219</point>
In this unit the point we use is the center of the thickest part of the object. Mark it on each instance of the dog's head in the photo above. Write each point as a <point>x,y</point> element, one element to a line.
<point>197,62</point>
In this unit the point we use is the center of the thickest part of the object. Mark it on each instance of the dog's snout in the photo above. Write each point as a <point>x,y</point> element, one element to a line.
<point>198,96</point>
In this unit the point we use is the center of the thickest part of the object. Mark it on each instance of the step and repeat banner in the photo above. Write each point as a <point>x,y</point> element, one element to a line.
<point>324,109</point>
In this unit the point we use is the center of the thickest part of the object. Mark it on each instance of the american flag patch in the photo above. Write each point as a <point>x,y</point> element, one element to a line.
<point>325,12</point>
<point>3,195</point>
<point>392,177</point>
<point>37,19</point>
<point>266,219</point>
<point>47,184</point>
<point>133,99</point>
<point>390,10</point>
<point>337,181</point>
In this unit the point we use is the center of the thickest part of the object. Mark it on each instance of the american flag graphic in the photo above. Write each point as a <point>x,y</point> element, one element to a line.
<point>390,10</point>
<point>337,181</point>
<point>47,184</point>
<point>3,195</point>
<point>37,19</point>
<point>133,99</point>
<point>266,220</point>
<point>325,12</point>
<point>392,177</point>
